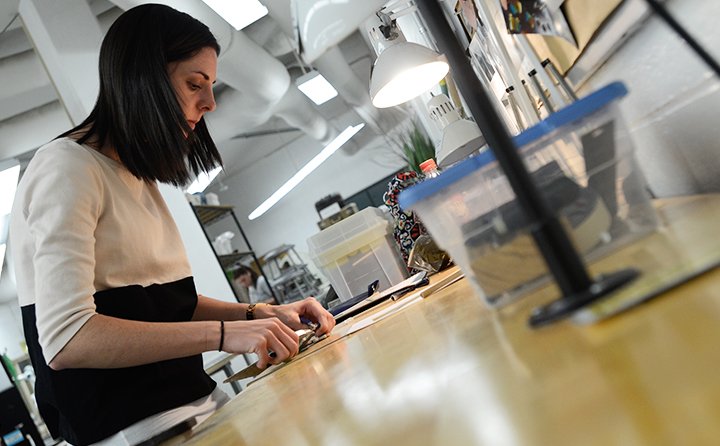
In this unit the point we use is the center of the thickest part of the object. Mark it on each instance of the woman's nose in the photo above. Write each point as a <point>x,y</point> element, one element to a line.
<point>207,101</point>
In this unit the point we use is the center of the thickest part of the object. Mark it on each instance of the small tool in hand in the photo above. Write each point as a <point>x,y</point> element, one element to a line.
<point>306,339</point>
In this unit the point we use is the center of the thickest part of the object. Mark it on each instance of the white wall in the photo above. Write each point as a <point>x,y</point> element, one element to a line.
<point>208,275</point>
<point>674,99</point>
<point>11,332</point>
<point>294,218</point>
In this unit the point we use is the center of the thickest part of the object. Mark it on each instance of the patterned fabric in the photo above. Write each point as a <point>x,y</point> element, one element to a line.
<point>408,226</point>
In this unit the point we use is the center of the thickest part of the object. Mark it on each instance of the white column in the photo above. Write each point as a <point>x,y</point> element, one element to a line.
<point>67,38</point>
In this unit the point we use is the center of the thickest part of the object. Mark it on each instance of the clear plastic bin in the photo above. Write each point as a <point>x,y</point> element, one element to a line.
<point>581,158</point>
<point>356,251</point>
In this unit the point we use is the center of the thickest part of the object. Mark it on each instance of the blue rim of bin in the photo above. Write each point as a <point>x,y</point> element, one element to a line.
<point>574,112</point>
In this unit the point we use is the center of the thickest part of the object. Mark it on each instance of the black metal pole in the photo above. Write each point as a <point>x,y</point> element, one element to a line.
<point>699,50</point>
<point>563,261</point>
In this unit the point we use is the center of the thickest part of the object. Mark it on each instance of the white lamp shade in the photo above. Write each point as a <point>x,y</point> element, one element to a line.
<point>460,139</point>
<point>403,71</point>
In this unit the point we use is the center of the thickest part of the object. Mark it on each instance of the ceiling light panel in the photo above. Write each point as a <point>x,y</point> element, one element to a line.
<point>238,13</point>
<point>316,87</point>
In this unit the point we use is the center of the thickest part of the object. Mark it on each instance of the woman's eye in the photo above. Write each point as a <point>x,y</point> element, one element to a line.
<point>193,86</point>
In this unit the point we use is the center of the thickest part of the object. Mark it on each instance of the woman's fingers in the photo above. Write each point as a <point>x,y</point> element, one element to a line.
<point>314,310</point>
<point>286,339</point>
<point>261,337</point>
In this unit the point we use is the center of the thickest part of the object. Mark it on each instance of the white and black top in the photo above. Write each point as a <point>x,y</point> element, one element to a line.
<point>260,292</point>
<point>88,237</point>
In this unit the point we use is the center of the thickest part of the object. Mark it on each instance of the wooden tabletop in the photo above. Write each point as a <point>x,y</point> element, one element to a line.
<point>450,371</point>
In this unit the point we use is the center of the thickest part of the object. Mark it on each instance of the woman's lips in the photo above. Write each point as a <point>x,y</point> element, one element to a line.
<point>192,124</point>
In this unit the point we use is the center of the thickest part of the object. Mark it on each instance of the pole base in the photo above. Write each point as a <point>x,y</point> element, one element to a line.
<point>565,306</point>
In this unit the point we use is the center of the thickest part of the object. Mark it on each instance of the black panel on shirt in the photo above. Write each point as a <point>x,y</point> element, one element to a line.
<point>85,406</point>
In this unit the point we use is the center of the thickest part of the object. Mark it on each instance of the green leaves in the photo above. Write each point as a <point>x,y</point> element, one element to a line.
<point>416,147</point>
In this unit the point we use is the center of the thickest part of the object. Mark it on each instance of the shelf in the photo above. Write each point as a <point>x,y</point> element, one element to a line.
<point>277,252</point>
<point>229,259</point>
<point>208,214</point>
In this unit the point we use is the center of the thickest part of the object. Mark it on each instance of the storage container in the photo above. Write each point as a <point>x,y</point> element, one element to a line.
<point>356,251</point>
<point>581,158</point>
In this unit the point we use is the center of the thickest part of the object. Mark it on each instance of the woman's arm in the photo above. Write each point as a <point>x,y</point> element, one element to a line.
<point>209,309</point>
<point>108,342</point>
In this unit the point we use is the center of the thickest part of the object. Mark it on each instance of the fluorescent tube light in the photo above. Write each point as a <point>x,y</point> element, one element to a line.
<point>290,184</point>
<point>238,13</point>
<point>203,181</point>
<point>316,87</point>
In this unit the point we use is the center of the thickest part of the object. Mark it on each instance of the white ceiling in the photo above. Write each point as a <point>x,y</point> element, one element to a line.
<point>28,92</point>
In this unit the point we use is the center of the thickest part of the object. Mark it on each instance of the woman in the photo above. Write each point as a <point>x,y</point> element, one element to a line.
<point>113,323</point>
<point>257,286</point>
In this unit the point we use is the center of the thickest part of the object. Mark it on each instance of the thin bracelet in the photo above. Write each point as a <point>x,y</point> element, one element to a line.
<point>222,335</point>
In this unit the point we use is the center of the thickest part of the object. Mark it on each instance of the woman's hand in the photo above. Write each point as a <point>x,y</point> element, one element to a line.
<point>259,337</point>
<point>291,314</point>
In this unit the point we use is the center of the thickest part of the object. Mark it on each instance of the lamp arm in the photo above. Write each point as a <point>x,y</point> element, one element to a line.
<point>400,8</point>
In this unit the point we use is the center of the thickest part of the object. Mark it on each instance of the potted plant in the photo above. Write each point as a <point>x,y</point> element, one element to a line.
<point>415,147</point>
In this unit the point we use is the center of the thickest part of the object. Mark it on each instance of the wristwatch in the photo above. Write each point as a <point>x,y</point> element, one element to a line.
<point>250,312</point>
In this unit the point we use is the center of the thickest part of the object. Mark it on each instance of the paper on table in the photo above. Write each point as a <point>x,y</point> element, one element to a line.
<point>389,311</point>
<point>449,277</point>
<point>385,294</point>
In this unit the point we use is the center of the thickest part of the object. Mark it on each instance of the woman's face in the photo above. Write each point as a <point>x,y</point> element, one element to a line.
<point>192,80</point>
<point>245,280</point>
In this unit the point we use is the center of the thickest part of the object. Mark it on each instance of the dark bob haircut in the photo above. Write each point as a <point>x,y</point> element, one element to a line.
<point>242,270</point>
<point>137,111</point>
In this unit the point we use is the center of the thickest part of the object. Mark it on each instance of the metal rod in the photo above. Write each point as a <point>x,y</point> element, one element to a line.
<point>547,63</point>
<point>529,94</point>
<point>704,55</point>
<point>541,91</point>
<point>562,259</point>
<point>513,105</point>
<point>532,58</point>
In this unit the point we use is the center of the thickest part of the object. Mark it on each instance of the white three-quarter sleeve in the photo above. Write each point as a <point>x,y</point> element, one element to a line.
<point>59,200</point>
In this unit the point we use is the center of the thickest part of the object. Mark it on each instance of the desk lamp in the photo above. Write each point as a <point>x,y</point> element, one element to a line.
<point>403,69</point>
<point>460,138</point>
<point>567,267</point>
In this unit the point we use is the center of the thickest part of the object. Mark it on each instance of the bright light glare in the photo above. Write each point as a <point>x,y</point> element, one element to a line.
<point>8,184</point>
<point>238,13</point>
<point>203,180</point>
<point>290,184</point>
<point>410,83</point>
<point>2,256</point>
<point>316,87</point>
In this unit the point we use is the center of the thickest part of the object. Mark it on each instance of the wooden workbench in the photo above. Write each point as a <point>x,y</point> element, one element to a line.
<point>449,371</point>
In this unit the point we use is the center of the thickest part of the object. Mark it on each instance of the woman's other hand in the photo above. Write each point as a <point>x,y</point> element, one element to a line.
<point>293,314</point>
<point>260,337</point>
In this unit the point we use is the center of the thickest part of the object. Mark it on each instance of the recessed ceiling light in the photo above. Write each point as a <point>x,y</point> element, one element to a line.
<point>316,87</point>
<point>238,13</point>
